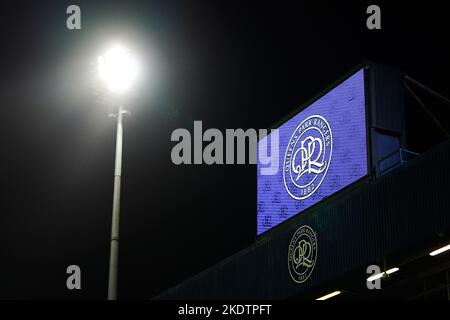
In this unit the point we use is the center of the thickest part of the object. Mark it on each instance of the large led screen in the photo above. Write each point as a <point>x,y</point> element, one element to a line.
<point>321,150</point>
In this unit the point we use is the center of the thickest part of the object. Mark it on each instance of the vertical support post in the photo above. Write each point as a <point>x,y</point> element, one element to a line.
<point>114,253</point>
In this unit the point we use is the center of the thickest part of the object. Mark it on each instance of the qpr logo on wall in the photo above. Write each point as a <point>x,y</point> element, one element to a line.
<point>302,254</point>
<point>307,157</point>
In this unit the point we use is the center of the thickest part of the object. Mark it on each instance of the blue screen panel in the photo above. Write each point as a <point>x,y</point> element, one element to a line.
<point>321,150</point>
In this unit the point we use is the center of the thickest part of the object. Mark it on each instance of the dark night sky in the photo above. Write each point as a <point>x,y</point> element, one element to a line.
<point>231,65</point>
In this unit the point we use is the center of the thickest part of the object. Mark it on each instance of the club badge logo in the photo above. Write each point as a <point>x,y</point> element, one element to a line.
<point>302,254</point>
<point>307,157</point>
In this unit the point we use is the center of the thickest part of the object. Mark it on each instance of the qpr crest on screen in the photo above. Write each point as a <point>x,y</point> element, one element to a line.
<point>307,157</point>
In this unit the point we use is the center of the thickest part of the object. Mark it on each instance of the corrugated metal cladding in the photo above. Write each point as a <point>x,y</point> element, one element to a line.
<point>402,209</point>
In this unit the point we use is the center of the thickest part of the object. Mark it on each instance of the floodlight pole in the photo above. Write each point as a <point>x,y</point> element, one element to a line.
<point>114,253</point>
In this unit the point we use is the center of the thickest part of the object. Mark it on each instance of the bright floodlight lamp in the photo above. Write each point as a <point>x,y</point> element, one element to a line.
<point>118,69</point>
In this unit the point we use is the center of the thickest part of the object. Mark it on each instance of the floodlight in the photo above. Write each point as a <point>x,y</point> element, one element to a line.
<point>118,69</point>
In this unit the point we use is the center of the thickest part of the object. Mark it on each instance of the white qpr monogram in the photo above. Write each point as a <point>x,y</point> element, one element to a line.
<point>307,157</point>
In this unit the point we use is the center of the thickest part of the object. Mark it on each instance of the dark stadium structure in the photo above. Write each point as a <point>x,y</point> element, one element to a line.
<point>392,218</point>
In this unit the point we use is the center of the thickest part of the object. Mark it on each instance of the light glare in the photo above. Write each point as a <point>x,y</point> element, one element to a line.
<point>118,69</point>
<point>392,270</point>
<point>438,251</point>
<point>328,296</point>
<point>382,274</point>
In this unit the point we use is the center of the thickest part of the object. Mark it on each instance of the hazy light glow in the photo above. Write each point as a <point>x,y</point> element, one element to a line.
<point>382,274</point>
<point>330,295</point>
<point>118,69</point>
<point>440,250</point>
